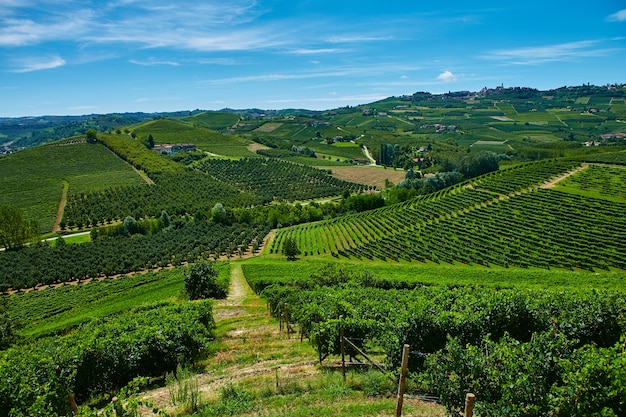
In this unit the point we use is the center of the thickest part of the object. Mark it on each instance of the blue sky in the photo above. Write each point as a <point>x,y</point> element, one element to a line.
<point>61,57</point>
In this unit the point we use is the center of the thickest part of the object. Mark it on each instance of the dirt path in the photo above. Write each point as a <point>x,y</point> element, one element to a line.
<point>251,347</point>
<point>57,219</point>
<point>554,181</point>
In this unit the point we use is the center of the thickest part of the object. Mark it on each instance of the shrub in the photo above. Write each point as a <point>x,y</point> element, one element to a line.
<point>201,282</point>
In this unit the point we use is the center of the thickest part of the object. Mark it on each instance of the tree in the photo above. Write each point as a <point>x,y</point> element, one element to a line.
<point>92,136</point>
<point>201,282</point>
<point>290,249</point>
<point>149,142</point>
<point>14,230</point>
<point>218,214</point>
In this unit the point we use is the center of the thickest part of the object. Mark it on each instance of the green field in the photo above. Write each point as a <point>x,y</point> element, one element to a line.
<point>33,180</point>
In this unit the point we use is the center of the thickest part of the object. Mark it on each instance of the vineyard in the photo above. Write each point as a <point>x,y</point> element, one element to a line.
<point>102,356</point>
<point>47,311</point>
<point>545,345</point>
<point>276,180</point>
<point>498,219</point>
<point>80,167</point>
<point>604,182</point>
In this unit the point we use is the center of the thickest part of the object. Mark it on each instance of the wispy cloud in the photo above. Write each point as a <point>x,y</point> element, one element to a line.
<point>19,31</point>
<point>534,55</point>
<point>618,16</point>
<point>364,98</point>
<point>447,76</point>
<point>153,62</point>
<point>377,69</point>
<point>38,64</point>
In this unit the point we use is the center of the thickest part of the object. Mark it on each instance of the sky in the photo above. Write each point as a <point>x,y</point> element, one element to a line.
<point>66,57</point>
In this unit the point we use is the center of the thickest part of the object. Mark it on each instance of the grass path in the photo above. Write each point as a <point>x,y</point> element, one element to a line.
<point>281,372</point>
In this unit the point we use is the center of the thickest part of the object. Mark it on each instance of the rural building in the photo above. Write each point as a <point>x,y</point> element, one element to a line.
<point>174,148</point>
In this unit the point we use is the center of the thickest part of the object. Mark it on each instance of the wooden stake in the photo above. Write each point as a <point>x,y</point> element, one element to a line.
<point>343,353</point>
<point>73,405</point>
<point>469,404</point>
<point>402,383</point>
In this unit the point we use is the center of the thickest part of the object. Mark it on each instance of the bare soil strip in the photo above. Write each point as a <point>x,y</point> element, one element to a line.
<point>62,202</point>
<point>554,181</point>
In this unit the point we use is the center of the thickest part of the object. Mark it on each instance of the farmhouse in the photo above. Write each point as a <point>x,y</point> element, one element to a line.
<point>174,148</point>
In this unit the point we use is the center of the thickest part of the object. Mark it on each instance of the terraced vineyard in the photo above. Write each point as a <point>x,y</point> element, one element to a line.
<point>501,219</point>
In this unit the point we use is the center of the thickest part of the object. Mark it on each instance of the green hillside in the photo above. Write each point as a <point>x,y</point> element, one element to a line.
<point>34,180</point>
<point>182,131</point>
<point>220,121</point>
<point>502,218</point>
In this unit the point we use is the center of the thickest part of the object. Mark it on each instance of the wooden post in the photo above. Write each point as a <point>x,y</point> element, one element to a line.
<point>73,405</point>
<point>469,404</point>
<point>343,353</point>
<point>402,383</point>
<point>287,324</point>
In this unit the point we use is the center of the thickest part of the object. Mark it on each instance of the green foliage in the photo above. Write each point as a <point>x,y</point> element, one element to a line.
<point>290,249</point>
<point>126,403</point>
<point>103,356</point>
<point>218,214</point>
<point>597,181</point>
<point>201,282</point>
<point>15,231</point>
<point>135,153</point>
<point>522,352</point>
<point>91,135</point>
<point>544,376</point>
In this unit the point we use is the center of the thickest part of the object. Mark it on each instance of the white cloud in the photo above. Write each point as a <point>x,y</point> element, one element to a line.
<point>38,64</point>
<point>447,77</point>
<point>618,16</point>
